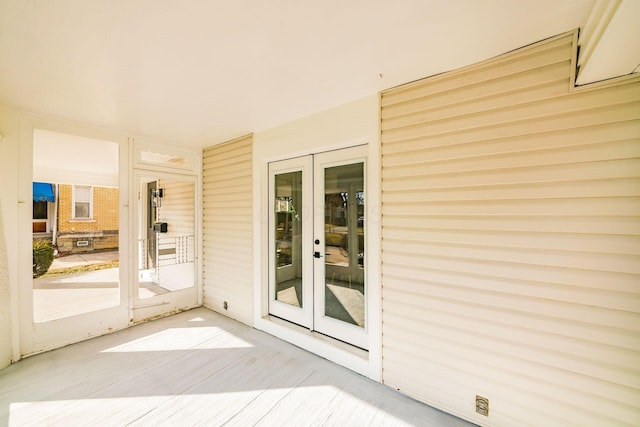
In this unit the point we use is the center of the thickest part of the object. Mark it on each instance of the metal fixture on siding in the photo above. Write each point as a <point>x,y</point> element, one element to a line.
<point>482,405</point>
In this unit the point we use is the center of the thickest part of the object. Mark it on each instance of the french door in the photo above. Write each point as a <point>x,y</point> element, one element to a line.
<point>316,243</point>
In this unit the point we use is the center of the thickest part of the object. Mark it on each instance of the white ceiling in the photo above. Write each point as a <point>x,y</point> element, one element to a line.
<point>72,159</point>
<point>199,72</point>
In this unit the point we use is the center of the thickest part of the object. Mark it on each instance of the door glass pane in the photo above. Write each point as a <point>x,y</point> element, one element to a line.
<point>166,235</point>
<point>288,238</point>
<point>344,243</point>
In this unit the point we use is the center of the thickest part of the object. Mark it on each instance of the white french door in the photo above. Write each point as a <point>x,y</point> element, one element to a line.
<point>316,243</point>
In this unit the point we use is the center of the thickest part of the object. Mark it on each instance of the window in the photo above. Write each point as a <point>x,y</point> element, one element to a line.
<point>82,202</point>
<point>39,210</point>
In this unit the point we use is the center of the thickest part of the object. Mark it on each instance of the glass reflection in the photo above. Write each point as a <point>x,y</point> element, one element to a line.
<point>166,242</point>
<point>288,242</point>
<point>344,243</point>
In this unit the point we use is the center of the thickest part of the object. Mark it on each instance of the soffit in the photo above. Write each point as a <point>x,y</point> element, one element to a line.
<point>201,72</point>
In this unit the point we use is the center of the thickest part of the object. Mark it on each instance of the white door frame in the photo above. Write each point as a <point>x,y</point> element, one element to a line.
<point>38,337</point>
<point>322,323</point>
<point>366,363</point>
<point>300,315</point>
<point>153,159</point>
<point>29,337</point>
<point>167,303</point>
<point>311,213</point>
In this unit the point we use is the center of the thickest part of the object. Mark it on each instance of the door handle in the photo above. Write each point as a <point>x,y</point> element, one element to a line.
<point>317,255</point>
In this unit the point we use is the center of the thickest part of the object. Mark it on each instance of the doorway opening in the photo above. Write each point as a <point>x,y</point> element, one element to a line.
<point>75,225</point>
<point>317,243</point>
<point>166,243</point>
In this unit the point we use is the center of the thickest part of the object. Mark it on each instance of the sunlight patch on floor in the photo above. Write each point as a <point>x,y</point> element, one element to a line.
<point>192,338</point>
<point>209,408</point>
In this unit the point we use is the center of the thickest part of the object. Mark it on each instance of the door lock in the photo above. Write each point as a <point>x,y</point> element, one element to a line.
<point>316,254</point>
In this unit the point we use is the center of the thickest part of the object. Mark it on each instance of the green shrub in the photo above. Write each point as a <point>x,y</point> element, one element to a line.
<point>334,239</point>
<point>42,257</point>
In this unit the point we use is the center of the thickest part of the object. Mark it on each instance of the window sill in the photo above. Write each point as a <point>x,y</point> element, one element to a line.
<point>82,220</point>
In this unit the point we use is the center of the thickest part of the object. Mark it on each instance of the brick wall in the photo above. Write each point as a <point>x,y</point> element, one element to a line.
<point>105,210</point>
<point>82,235</point>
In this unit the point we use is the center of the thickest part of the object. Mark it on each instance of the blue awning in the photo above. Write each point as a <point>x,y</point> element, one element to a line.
<point>43,192</point>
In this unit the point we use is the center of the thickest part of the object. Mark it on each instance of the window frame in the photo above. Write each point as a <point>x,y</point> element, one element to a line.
<point>74,201</point>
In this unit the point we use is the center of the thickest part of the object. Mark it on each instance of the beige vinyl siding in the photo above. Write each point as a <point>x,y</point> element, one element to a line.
<point>511,242</point>
<point>178,206</point>
<point>228,228</point>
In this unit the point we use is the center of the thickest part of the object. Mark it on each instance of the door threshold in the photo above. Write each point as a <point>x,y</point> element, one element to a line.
<point>339,352</point>
<point>355,350</point>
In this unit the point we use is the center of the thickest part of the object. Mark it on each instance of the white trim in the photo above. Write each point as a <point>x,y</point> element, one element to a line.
<point>311,342</point>
<point>193,164</point>
<point>374,248</point>
<point>31,337</point>
<point>371,366</point>
<point>350,333</point>
<point>300,315</point>
<point>325,148</point>
<point>355,123</point>
<point>609,43</point>
<point>164,304</point>
<point>192,170</point>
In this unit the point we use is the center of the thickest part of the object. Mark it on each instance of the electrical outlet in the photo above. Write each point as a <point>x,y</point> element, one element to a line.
<point>482,405</point>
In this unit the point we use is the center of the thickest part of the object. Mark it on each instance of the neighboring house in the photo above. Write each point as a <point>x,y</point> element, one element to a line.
<point>87,218</point>
<point>496,208</point>
<point>76,218</point>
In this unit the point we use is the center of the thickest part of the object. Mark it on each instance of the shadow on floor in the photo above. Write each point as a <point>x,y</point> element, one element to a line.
<point>198,367</point>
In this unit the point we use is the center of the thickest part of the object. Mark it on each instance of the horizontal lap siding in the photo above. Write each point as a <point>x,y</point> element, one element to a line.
<point>511,242</point>
<point>178,206</point>
<point>228,228</point>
